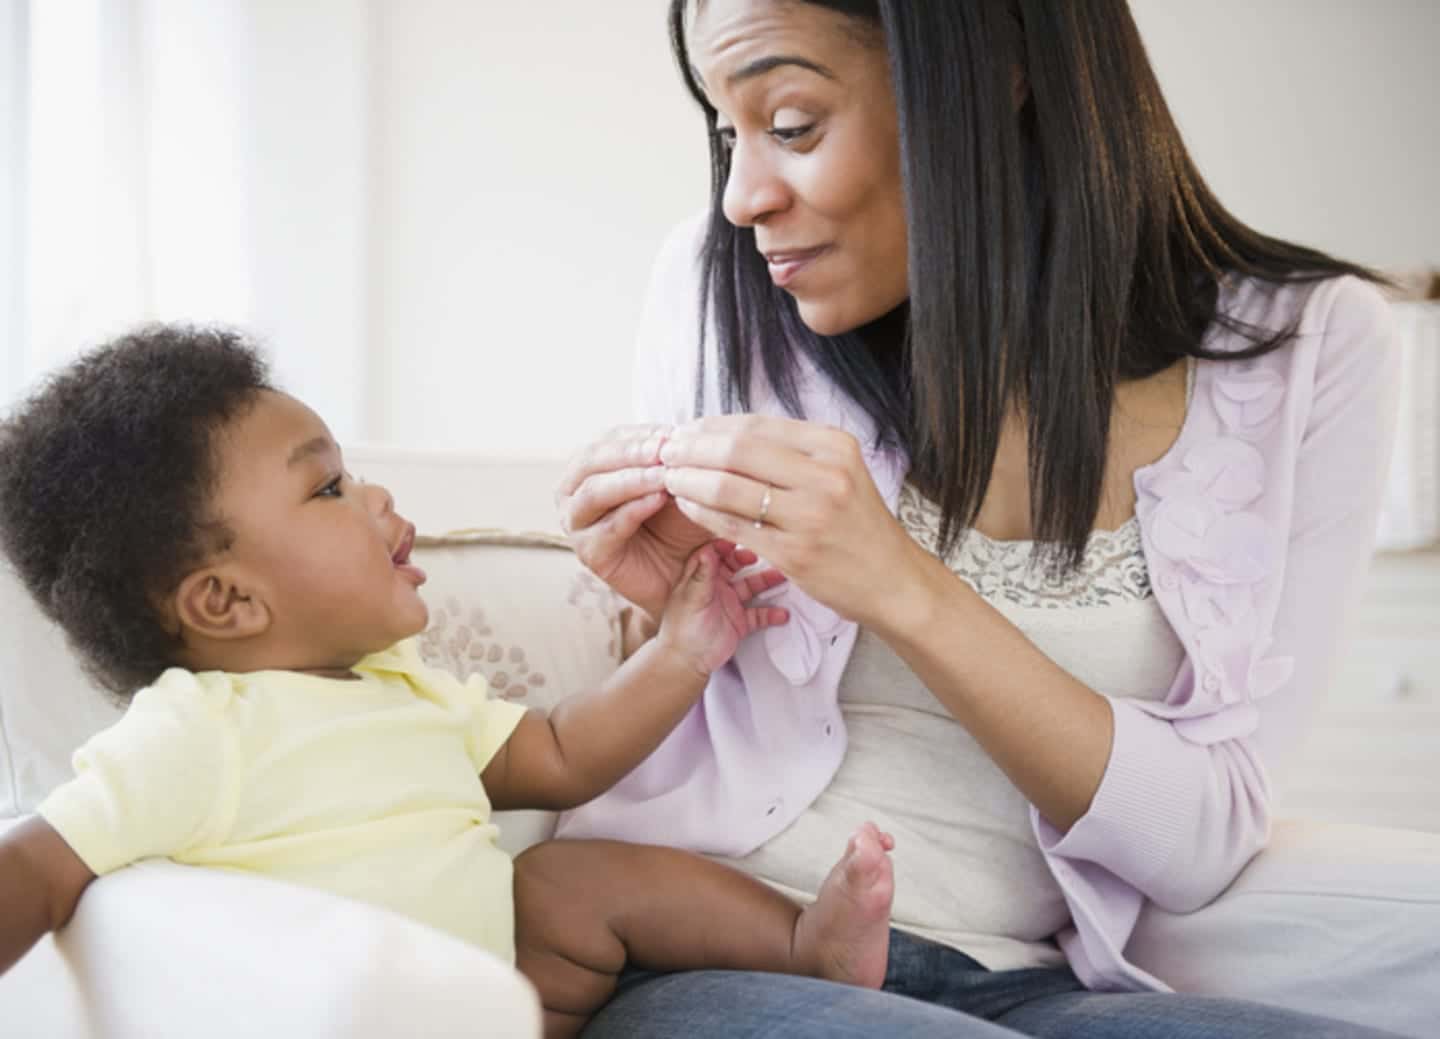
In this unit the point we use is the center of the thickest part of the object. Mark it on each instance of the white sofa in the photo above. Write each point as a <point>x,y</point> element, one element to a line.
<point>1343,920</point>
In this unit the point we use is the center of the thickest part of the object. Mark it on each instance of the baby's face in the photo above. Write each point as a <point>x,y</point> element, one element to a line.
<point>330,555</point>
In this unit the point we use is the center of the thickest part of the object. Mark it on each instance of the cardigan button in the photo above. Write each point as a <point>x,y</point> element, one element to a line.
<point>1212,682</point>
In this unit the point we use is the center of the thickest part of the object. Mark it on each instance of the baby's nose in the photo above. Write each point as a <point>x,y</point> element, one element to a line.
<point>383,501</point>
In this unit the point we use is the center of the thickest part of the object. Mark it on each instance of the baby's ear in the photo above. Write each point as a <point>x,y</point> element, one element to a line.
<point>218,603</point>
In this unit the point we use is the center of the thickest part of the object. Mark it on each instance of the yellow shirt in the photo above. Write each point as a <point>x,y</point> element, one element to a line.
<point>368,788</point>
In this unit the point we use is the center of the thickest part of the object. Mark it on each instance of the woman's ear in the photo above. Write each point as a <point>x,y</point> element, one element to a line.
<point>216,603</point>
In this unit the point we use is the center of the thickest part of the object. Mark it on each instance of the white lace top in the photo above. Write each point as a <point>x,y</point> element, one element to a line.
<point>968,871</point>
<point>1113,569</point>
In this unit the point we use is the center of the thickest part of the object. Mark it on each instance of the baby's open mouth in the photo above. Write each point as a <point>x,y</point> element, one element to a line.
<point>401,555</point>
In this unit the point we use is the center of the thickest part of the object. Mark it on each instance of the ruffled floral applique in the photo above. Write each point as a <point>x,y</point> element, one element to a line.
<point>1214,549</point>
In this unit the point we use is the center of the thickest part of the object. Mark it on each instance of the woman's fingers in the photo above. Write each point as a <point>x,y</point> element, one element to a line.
<point>746,499</point>
<point>728,526</point>
<point>622,523</point>
<point>600,544</point>
<point>603,492</point>
<point>624,447</point>
<point>783,472</point>
<point>735,450</point>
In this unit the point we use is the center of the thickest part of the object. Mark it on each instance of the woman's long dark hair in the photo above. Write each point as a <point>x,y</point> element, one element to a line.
<point>1053,252</point>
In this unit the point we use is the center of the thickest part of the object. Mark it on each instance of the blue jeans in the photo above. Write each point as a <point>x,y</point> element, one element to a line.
<point>932,990</point>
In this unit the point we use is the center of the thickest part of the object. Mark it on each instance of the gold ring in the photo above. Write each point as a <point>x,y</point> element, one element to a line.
<point>764,509</point>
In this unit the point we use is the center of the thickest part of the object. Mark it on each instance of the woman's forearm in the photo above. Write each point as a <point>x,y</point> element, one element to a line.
<point>1049,732</point>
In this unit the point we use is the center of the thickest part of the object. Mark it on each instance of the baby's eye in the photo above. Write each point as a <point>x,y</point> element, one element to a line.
<point>332,489</point>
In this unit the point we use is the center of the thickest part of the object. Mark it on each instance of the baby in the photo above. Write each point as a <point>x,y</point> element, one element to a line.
<point>195,533</point>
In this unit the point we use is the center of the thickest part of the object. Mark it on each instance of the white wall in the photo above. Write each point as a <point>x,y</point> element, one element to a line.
<point>528,160</point>
<point>257,145</point>
<point>312,176</point>
<point>1317,120</point>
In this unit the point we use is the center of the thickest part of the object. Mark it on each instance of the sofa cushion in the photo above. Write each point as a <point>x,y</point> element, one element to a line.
<point>517,608</point>
<point>520,610</point>
<point>1331,919</point>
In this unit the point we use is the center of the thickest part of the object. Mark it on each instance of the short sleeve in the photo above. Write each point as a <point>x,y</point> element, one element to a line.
<point>492,721</point>
<point>151,785</point>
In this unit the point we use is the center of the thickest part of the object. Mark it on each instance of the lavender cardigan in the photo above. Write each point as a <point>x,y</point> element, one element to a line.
<point>1256,525</point>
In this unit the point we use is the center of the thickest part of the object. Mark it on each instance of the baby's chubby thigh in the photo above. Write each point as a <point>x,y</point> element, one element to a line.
<point>566,892</point>
<point>571,900</point>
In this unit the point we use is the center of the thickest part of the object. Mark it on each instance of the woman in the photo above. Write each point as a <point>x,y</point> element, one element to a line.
<point>1071,472</point>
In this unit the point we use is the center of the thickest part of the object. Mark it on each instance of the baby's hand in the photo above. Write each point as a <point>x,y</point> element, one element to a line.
<point>709,613</point>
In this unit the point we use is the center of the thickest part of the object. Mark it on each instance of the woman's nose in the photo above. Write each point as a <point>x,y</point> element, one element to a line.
<point>754,190</point>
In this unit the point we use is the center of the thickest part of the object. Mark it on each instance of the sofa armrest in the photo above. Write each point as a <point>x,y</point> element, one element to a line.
<point>1330,919</point>
<point>160,950</point>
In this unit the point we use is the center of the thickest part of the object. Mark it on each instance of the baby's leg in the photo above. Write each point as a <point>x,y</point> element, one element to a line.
<point>584,909</point>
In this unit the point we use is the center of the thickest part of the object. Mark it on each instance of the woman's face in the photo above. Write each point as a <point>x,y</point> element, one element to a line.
<point>805,105</point>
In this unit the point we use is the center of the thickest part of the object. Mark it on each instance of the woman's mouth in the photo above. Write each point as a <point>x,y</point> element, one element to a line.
<point>788,264</point>
<point>401,557</point>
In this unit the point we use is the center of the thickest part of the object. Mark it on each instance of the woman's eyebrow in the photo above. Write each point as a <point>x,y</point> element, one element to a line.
<point>760,66</point>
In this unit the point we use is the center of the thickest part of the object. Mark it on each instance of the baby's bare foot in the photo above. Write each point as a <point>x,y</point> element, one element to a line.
<point>845,935</point>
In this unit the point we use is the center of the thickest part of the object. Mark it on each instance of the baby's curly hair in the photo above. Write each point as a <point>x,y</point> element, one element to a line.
<point>106,476</point>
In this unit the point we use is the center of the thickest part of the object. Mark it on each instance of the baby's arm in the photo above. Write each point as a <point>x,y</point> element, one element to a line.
<point>41,880</point>
<point>589,742</point>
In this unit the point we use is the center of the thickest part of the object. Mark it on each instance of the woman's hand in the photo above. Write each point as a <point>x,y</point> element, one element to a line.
<point>826,527</point>
<point>623,524</point>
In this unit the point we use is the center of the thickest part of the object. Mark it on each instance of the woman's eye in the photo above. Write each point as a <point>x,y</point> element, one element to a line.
<point>725,135</point>
<point>787,134</point>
